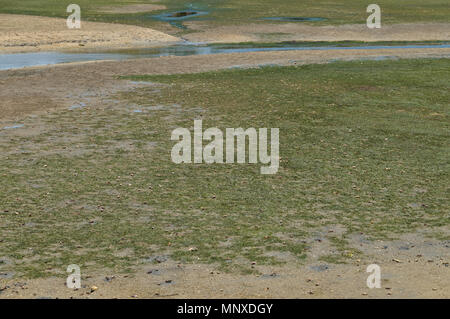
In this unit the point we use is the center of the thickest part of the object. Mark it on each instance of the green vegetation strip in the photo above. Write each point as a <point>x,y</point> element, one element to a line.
<point>235,12</point>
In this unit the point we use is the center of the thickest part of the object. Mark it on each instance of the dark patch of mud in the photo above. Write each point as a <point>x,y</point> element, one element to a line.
<point>175,18</point>
<point>295,19</point>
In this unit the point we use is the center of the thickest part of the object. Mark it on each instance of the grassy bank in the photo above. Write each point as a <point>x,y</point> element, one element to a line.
<point>241,12</point>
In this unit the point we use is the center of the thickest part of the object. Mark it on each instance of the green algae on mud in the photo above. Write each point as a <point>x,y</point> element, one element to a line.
<point>364,148</point>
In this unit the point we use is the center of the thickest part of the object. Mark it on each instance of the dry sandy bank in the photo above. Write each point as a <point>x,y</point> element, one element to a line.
<point>21,33</point>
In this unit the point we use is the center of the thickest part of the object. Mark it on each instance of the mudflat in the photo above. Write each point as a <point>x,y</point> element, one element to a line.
<point>85,149</point>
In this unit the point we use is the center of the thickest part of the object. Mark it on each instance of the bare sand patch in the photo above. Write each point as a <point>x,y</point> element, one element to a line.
<point>172,280</point>
<point>303,32</point>
<point>21,33</point>
<point>413,266</point>
<point>133,8</point>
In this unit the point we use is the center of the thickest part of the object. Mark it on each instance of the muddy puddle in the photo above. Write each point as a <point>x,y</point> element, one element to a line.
<point>176,18</point>
<point>15,126</point>
<point>21,60</point>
